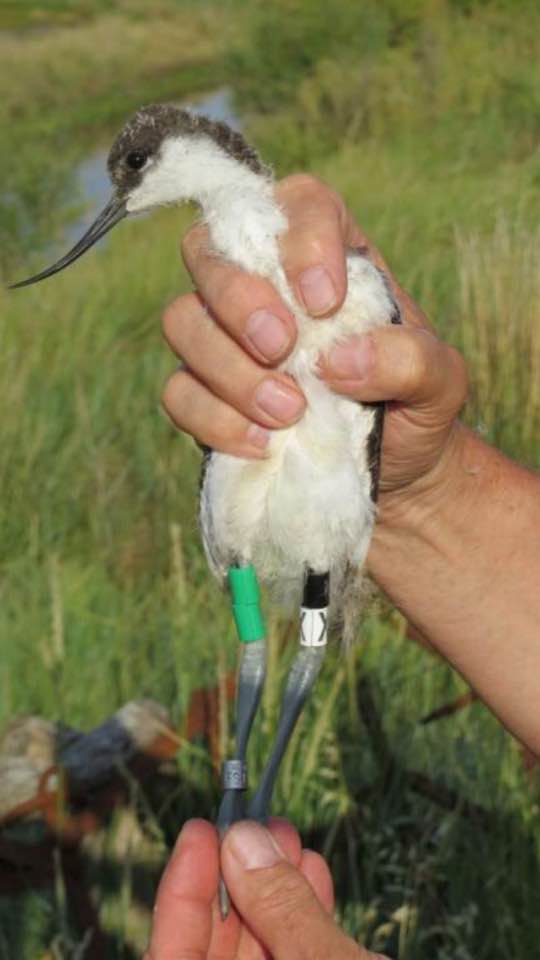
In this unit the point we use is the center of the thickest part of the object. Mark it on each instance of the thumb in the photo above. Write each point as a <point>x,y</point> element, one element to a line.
<point>277,902</point>
<point>407,364</point>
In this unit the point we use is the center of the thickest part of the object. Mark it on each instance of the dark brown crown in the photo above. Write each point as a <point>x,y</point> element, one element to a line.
<point>144,133</point>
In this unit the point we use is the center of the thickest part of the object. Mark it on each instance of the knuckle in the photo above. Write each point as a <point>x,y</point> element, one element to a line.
<point>306,183</point>
<point>178,321</point>
<point>320,195</point>
<point>221,436</point>
<point>232,288</point>
<point>417,364</point>
<point>211,424</point>
<point>284,897</point>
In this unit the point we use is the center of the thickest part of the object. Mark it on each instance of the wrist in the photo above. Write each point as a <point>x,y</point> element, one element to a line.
<point>458,553</point>
<point>425,532</point>
<point>447,487</point>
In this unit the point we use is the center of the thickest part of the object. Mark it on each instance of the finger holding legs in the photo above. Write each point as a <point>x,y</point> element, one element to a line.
<point>288,840</point>
<point>287,837</point>
<point>277,901</point>
<point>226,935</point>
<point>183,917</point>
<point>317,873</point>
<point>314,868</point>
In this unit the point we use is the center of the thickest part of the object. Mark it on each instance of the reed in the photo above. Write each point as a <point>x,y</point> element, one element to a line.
<point>499,327</point>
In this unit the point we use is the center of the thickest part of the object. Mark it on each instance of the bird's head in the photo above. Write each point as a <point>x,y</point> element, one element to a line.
<point>163,155</point>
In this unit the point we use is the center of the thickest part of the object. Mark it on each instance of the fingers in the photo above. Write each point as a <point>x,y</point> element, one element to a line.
<point>313,248</point>
<point>192,407</point>
<point>321,228</point>
<point>248,306</point>
<point>182,916</point>
<point>270,399</point>
<point>226,398</point>
<point>316,871</point>
<point>287,838</point>
<point>313,256</point>
<point>226,935</point>
<point>277,902</point>
<point>403,364</point>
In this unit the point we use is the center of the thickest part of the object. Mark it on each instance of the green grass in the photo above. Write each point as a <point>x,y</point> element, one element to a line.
<point>97,523</point>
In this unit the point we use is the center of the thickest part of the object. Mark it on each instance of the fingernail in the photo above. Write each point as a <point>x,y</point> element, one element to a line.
<point>253,846</point>
<point>317,290</point>
<point>279,401</point>
<point>267,333</point>
<point>258,436</point>
<point>352,360</point>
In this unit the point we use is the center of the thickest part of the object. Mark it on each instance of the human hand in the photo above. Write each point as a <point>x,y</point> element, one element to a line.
<point>230,394</point>
<point>283,897</point>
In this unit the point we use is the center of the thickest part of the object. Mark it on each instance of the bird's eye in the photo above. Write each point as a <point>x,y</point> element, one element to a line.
<point>136,160</point>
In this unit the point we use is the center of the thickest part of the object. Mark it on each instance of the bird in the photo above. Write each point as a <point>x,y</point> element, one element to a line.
<point>258,511</point>
<point>300,519</point>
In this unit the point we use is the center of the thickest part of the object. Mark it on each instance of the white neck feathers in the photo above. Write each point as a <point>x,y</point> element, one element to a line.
<point>245,221</point>
<point>238,205</point>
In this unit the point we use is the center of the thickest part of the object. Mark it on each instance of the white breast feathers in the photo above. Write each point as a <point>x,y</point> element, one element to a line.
<point>309,504</point>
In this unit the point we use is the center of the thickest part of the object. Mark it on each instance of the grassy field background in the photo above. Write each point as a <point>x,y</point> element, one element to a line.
<point>426,116</point>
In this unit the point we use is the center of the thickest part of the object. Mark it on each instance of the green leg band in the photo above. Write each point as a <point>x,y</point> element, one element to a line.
<point>246,604</point>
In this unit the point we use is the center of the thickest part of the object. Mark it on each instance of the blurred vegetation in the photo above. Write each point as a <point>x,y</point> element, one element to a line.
<point>66,88</point>
<point>426,116</point>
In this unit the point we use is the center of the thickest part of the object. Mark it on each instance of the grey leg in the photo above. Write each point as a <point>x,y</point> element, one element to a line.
<point>250,685</point>
<point>300,682</point>
<point>251,677</point>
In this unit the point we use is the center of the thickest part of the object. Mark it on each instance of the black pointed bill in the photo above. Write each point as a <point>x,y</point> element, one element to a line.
<point>109,216</point>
